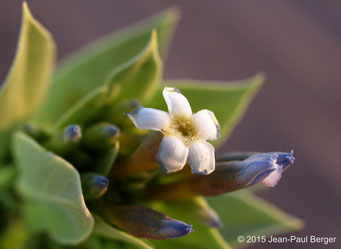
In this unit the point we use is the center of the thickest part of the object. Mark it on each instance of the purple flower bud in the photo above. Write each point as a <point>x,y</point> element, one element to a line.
<point>265,168</point>
<point>284,159</point>
<point>72,134</point>
<point>173,229</point>
<point>256,168</point>
<point>144,222</point>
<point>93,185</point>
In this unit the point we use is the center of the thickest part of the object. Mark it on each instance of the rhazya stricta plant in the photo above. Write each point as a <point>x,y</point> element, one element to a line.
<point>103,153</point>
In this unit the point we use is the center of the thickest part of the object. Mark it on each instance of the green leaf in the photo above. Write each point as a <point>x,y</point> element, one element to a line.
<point>105,230</point>
<point>203,237</point>
<point>106,160</point>
<point>227,101</point>
<point>7,175</point>
<point>51,186</point>
<point>5,137</point>
<point>24,88</point>
<point>89,68</point>
<point>138,78</point>
<point>245,214</point>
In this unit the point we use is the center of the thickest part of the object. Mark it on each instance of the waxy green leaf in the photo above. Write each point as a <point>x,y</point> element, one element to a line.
<point>106,160</point>
<point>242,213</point>
<point>25,86</point>
<point>138,78</point>
<point>105,230</point>
<point>227,101</point>
<point>89,68</point>
<point>201,238</point>
<point>52,190</point>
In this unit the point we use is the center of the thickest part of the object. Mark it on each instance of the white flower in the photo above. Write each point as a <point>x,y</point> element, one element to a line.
<point>185,134</point>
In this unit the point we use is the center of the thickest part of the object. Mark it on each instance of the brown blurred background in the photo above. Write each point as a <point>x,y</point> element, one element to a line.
<point>297,43</point>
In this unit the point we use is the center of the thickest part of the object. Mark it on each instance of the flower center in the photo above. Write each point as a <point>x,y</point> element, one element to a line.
<point>183,127</point>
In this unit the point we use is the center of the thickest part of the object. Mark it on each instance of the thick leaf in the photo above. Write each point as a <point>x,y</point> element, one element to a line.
<point>245,214</point>
<point>106,160</point>
<point>51,186</point>
<point>25,86</point>
<point>227,101</point>
<point>138,78</point>
<point>89,68</point>
<point>85,109</point>
<point>105,230</point>
<point>203,237</point>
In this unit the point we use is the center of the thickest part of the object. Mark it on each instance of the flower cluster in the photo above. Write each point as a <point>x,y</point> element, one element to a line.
<point>85,175</point>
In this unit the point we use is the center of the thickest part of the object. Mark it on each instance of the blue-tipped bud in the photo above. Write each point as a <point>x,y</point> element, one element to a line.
<point>144,222</point>
<point>101,136</point>
<point>272,163</point>
<point>265,168</point>
<point>173,229</point>
<point>72,134</point>
<point>258,167</point>
<point>93,185</point>
<point>65,143</point>
<point>284,159</point>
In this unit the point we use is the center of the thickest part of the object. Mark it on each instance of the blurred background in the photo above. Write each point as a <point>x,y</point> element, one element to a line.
<point>297,43</point>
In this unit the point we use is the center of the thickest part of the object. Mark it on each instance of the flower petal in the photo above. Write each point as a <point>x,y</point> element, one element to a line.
<point>272,179</point>
<point>149,118</point>
<point>172,154</point>
<point>207,124</point>
<point>201,158</point>
<point>176,102</point>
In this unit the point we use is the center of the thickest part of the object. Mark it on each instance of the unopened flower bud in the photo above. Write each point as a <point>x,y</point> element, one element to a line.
<point>72,134</point>
<point>144,222</point>
<point>229,176</point>
<point>284,159</point>
<point>101,136</point>
<point>65,143</point>
<point>93,185</point>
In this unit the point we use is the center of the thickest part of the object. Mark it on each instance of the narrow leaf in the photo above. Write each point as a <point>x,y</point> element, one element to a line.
<point>89,68</point>
<point>227,101</point>
<point>242,213</point>
<point>26,83</point>
<point>51,186</point>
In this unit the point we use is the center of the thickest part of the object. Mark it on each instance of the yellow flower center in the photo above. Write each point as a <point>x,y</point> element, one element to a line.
<point>184,128</point>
